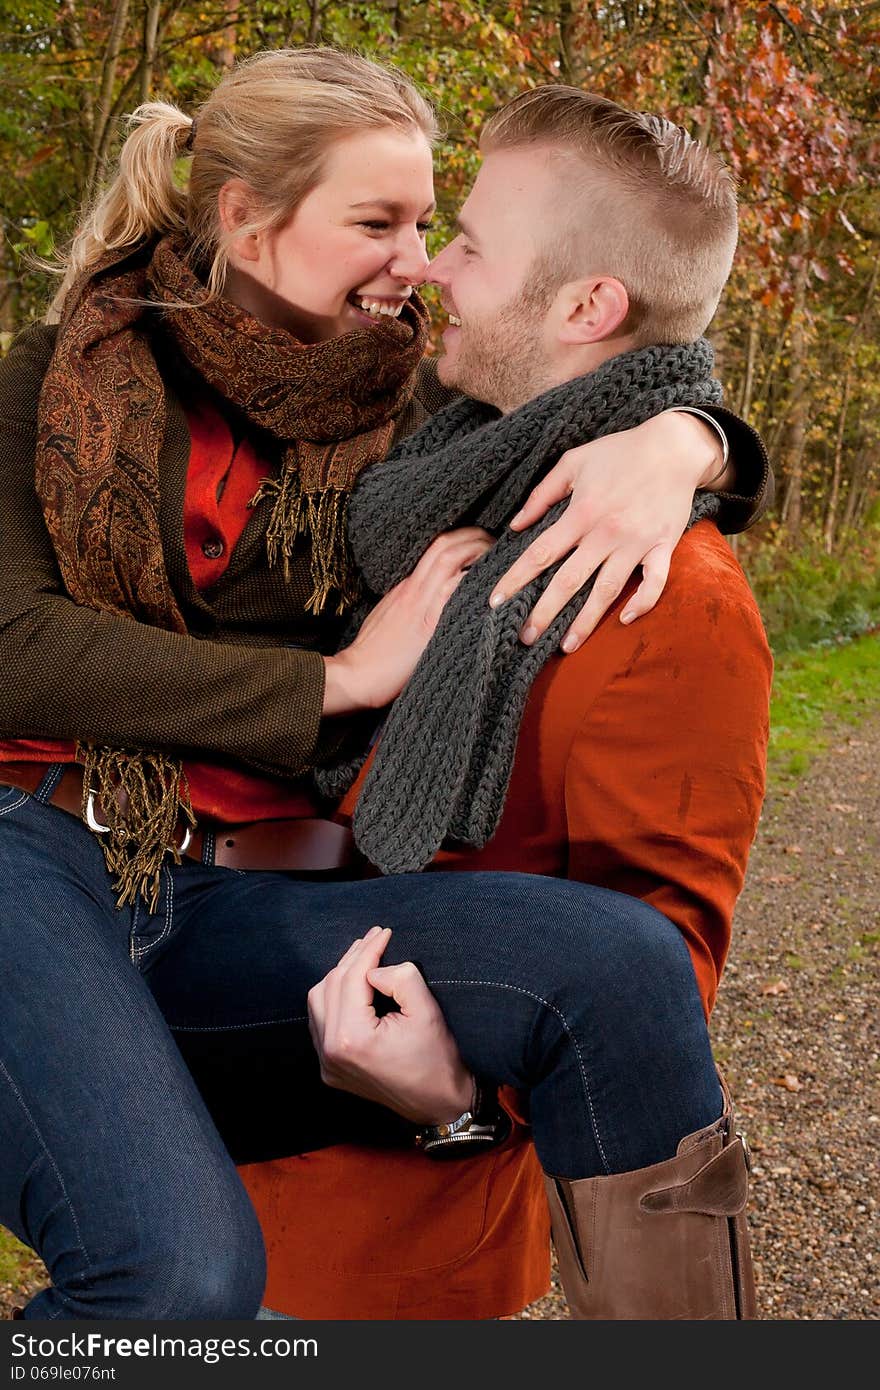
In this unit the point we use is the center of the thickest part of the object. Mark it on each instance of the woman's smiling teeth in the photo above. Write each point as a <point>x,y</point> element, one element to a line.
<point>454,320</point>
<point>389,307</point>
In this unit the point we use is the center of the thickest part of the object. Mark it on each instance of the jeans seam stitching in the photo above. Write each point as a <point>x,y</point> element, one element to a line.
<point>25,796</point>
<point>529,994</point>
<point>233,1027</point>
<point>141,951</point>
<point>43,1145</point>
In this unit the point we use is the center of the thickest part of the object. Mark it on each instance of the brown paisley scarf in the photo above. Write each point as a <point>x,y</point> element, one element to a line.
<point>331,407</point>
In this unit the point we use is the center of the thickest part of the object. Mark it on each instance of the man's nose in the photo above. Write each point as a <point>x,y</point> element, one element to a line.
<point>410,259</point>
<point>436,271</point>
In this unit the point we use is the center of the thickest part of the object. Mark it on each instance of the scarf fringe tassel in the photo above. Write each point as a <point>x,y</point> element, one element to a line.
<point>323,516</point>
<point>143,799</point>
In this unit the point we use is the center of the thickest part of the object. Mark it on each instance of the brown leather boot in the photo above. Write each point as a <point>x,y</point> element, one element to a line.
<point>665,1242</point>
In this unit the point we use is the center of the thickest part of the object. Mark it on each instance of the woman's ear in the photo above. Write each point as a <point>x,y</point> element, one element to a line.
<point>236,205</point>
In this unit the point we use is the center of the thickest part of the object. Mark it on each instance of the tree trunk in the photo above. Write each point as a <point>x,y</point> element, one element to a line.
<point>229,41</point>
<point>103,127</point>
<point>10,288</point>
<point>796,425</point>
<point>314,35</point>
<point>748,384</point>
<point>857,495</point>
<point>151,40</point>
<point>834,494</point>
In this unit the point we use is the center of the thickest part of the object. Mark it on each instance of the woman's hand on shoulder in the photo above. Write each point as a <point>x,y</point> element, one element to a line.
<point>631,495</point>
<point>373,670</point>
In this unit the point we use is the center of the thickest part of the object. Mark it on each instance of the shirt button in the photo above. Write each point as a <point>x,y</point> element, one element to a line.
<point>212,549</point>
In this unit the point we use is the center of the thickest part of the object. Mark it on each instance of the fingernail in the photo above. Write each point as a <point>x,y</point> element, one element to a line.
<point>496,599</point>
<point>570,643</point>
<point>627,617</point>
<point>372,932</point>
<point>528,635</point>
<point>515,520</point>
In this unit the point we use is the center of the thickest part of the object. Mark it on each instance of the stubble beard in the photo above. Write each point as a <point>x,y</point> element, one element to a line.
<point>500,359</point>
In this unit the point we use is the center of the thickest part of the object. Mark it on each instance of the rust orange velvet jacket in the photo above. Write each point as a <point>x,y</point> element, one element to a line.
<point>640,767</point>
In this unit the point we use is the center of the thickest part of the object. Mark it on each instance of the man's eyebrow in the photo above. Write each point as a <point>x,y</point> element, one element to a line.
<point>389,205</point>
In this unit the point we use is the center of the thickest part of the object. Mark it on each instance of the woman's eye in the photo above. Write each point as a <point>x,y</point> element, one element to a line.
<point>467,250</point>
<point>424,228</point>
<point>377,226</point>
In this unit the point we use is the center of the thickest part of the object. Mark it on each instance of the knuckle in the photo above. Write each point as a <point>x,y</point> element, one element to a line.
<point>541,554</point>
<point>613,526</point>
<point>570,581</point>
<point>338,1051</point>
<point>606,587</point>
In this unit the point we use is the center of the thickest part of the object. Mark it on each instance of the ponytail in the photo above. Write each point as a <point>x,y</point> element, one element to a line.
<point>143,200</point>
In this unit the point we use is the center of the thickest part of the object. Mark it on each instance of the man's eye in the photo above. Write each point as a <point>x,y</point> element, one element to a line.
<point>424,227</point>
<point>467,250</point>
<point>377,226</point>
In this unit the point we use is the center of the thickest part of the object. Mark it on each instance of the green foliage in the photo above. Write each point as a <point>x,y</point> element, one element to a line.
<point>13,1257</point>
<point>807,596</point>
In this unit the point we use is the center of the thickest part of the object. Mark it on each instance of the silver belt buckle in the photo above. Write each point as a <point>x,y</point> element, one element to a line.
<point>94,824</point>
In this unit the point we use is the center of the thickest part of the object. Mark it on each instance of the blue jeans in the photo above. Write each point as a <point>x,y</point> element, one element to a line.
<point>116,1170</point>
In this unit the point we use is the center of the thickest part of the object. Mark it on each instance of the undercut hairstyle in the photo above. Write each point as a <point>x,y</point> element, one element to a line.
<point>639,199</point>
<point>271,121</point>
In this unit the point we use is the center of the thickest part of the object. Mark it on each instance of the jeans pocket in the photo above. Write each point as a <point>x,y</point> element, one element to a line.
<point>11,798</point>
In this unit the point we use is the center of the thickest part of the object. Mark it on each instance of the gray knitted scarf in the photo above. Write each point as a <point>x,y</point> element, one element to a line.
<point>444,760</point>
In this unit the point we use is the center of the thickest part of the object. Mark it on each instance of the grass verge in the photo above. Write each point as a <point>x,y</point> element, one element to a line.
<point>814,690</point>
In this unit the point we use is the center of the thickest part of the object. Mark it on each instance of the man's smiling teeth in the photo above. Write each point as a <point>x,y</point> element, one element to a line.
<point>454,320</point>
<point>391,307</point>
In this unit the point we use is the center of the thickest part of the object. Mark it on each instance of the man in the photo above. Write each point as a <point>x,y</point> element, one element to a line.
<point>591,234</point>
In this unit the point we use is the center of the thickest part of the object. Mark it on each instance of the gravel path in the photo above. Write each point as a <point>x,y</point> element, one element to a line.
<point>796,1029</point>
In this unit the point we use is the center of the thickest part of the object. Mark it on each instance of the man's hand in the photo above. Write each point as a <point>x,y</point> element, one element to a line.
<point>631,496</point>
<point>373,670</point>
<point>407,1061</point>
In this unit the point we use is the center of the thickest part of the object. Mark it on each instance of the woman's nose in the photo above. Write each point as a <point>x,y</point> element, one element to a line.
<point>410,260</point>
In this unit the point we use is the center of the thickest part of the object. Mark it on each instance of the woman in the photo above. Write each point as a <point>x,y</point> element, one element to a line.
<point>178,455</point>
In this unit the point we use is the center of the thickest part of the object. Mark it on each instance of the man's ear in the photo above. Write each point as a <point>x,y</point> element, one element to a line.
<point>592,310</point>
<point>236,206</point>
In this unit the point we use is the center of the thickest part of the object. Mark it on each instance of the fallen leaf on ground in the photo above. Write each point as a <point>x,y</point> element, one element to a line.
<point>775,987</point>
<point>789,1082</point>
<point>792,849</point>
<point>842,806</point>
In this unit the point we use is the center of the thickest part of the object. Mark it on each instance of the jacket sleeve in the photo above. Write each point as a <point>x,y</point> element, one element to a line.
<point>666,773</point>
<point>754,485</point>
<point>67,671</point>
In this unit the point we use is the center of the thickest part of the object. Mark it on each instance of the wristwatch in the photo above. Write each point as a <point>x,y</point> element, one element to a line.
<point>483,1127</point>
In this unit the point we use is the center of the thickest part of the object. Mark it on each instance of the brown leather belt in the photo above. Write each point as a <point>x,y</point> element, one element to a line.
<point>309,845</point>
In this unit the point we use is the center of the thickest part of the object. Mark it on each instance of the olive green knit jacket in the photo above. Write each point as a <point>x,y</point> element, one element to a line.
<point>247,680</point>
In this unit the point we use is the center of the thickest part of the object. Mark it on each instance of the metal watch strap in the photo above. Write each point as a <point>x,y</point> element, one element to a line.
<point>483,1127</point>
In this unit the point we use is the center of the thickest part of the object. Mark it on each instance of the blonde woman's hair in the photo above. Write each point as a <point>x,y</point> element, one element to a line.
<point>270,122</point>
<point>639,199</point>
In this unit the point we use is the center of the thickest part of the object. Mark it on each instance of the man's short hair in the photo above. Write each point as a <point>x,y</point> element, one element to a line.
<point>639,199</point>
